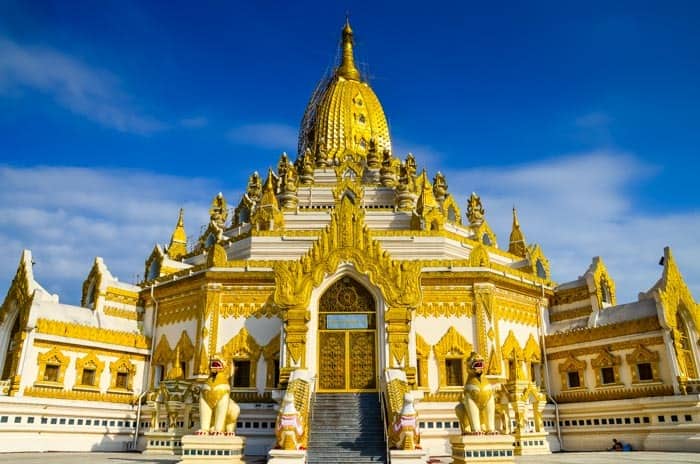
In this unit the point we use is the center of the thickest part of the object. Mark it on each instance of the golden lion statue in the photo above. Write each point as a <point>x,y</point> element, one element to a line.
<point>477,407</point>
<point>289,429</point>
<point>215,401</point>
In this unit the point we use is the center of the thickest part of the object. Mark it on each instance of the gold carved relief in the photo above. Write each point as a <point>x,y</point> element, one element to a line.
<point>605,359</point>
<point>332,370</point>
<point>83,332</point>
<point>122,366</point>
<point>640,355</point>
<point>57,364</point>
<point>129,314</point>
<point>590,334</point>
<point>572,364</point>
<point>248,301</point>
<point>422,355</point>
<point>452,345</point>
<point>90,362</point>
<point>347,239</point>
<point>446,301</point>
<point>616,346</point>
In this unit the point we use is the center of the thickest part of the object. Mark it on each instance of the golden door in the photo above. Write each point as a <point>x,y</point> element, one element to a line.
<point>347,360</point>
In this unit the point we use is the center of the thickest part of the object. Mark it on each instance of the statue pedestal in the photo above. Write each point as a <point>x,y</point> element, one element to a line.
<point>197,449</point>
<point>276,456</point>
<point>162,443</point>
<point>482,449</point>
<point>531,443</point>
<point>408,456</point>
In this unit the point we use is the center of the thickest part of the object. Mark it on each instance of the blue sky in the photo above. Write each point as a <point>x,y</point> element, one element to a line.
<point>585,116</point>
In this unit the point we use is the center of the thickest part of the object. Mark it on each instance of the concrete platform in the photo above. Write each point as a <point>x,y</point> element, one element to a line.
<point>610,457</point>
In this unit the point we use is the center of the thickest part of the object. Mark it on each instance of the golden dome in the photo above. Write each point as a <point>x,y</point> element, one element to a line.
<point>344,114</point>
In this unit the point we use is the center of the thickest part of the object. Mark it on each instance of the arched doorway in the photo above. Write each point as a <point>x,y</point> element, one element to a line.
<point>347,333</point>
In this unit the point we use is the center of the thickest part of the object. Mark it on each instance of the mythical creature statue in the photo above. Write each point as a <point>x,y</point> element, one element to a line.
<point>475,210</point>
<point>403,432</point>
<point>289,431</point>
<point>477,407</point>
<point>215,403</point>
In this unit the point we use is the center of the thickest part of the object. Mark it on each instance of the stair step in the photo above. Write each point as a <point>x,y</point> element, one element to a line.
<point>346,428</point>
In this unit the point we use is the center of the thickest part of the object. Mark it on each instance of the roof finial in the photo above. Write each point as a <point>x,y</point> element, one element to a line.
<point>347,67</point>
<point>517,245</point>
<point>178,241</point>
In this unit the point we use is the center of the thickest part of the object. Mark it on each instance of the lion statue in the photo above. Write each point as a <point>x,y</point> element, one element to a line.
<point>289,430</point>
<point>404,433</point>
<point>215,403</point>
<point>477,407</point>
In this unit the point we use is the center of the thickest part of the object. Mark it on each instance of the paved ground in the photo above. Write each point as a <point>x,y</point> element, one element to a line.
<point>558,458</point>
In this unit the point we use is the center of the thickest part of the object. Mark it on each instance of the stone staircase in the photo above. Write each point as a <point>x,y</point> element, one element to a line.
<point>346,428</point>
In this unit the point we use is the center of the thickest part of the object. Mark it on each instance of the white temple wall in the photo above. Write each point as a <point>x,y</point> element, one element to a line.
<point>521,331</point>
<point>228,328</point>
<point>432,329</point>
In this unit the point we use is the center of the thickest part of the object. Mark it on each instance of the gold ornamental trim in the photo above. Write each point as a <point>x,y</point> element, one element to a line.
<point>590,334</point>
<point>622,393</point>
<point>617,346</point>
<point>120,295</point>
<point>80,395</point>
<point>570,295</point>
<point>570,314</point>
<point>129,314</point>
<point>95,334</point>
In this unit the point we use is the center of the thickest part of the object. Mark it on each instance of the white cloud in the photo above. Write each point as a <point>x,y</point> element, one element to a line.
<point>93,93</point>
<point>271,136</point>
<point>67,216</point>
<point>577,207</point>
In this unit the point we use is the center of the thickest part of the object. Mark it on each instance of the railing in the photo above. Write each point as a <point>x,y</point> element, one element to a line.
<point>385,421</point>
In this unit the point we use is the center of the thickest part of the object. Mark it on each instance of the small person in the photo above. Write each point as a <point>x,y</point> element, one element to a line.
<point>617,445</point>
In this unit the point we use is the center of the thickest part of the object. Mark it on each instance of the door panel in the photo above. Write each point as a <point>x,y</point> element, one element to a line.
<point>347,360</point>
<point>332,360</point>
<point>362,362</point>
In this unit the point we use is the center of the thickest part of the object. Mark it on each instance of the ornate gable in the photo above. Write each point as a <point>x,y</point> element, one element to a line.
<point>452,344</point>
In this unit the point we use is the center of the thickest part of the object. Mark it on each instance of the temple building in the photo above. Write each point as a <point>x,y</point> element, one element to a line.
<point>348,271</point>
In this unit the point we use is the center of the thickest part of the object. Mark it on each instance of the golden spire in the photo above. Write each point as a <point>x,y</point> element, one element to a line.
<point>517,239</point>
<point>268,197</point>
<point>347,67</point>
<point>178,241</point>
<point>426,201</point>
<point>175,372</point>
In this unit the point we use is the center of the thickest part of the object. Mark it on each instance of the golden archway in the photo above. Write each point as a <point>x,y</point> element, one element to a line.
<point>347,331</point>
<point>347,239</point>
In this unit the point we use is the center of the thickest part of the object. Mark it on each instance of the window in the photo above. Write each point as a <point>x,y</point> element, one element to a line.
<point>183,368</point>
<point>453,371</point>
<point>644,371</point>
<point>275,372</point>
<point>241,373</point>
<point>574,379</point>
<point>88,377</point>
<point>607,375</point>
<point>122,380</point>
<point>51,373</point>
<point>541,271</point>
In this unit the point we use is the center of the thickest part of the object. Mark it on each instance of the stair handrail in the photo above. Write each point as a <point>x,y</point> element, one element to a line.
<point>385,422</point>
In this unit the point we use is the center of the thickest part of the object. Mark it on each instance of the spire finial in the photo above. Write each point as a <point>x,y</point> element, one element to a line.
<point>178,240</point>
<point>347,67</point>
<point>517,244</point>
